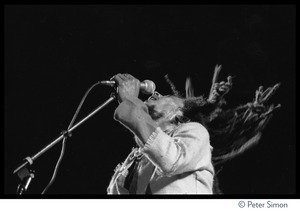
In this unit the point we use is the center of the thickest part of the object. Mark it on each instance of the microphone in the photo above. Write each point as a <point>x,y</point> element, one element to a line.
<point>146,87</point>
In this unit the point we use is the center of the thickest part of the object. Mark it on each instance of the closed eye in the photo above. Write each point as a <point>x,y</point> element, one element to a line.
<point>151,98</point>
<point>155,96</point>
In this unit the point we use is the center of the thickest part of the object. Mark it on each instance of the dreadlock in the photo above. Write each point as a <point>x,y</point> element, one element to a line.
<point>234,130</point>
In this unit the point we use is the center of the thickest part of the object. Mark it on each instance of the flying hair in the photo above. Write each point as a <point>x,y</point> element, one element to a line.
<point>232,130</point>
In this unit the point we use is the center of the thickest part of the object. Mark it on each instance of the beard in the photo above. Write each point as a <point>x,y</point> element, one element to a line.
<point>155,115</point>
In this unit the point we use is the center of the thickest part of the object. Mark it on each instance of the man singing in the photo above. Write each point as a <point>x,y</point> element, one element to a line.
<point>173,137</point>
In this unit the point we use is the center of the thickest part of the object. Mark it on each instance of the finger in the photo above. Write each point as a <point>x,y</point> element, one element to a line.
<point>128,76</point>
<point>118,79</point>
<point>120,76</point>
<point>112,78</point>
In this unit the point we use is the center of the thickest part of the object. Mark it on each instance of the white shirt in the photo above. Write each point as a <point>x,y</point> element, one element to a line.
<point>175,163</point>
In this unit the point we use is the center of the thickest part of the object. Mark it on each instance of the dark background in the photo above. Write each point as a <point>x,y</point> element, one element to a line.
<point>53,54</point>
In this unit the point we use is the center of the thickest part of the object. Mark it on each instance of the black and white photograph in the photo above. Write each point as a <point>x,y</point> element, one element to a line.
<point>106,100</point>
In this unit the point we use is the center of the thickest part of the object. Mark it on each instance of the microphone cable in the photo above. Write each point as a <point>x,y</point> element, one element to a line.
<point>62,152</point>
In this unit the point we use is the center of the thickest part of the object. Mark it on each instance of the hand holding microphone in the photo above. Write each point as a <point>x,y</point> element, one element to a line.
<point>146,87</point>
<point>128,86</point>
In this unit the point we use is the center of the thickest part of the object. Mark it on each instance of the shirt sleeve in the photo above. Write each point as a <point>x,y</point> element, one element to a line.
<point>187,150</point>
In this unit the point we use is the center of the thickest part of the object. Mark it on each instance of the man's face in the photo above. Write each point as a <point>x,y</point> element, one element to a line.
<point>163,108</point>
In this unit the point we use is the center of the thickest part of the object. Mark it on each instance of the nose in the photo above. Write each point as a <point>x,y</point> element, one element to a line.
<point>155,96</point>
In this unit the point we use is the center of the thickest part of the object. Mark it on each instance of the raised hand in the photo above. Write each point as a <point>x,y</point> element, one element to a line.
<point>128,86</point>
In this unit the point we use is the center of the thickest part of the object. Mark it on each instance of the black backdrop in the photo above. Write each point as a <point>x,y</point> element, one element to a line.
<point>54,53</point>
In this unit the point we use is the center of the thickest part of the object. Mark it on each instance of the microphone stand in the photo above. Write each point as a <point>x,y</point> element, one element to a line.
<point>25,174</point>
